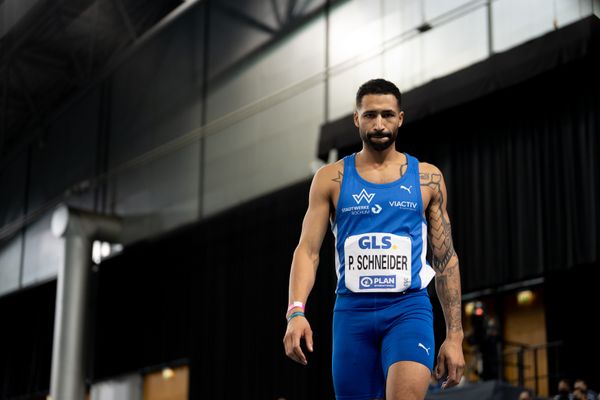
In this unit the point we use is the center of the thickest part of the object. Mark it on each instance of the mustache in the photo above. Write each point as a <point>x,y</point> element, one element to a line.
<point>379,134</point>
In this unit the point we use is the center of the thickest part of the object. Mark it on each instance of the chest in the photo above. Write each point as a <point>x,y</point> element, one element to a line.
<point>393,194</point>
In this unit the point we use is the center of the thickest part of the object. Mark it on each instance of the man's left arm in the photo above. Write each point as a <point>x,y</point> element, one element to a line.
<point>447,280</point>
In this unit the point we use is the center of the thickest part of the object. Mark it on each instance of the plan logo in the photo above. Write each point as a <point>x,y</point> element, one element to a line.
<point>358,198</point>
<point>377,282</point>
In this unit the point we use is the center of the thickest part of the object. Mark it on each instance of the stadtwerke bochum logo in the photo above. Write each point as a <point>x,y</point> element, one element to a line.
<point>363,195</point>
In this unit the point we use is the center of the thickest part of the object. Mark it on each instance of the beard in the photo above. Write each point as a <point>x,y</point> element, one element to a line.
<point>367,138</point>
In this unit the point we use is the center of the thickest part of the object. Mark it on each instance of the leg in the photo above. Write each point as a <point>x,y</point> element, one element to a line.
<point>357,371</point>
<point>408,348</point>
<point>407,380</point>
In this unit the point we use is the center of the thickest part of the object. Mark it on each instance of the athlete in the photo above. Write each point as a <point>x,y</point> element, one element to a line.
<point>383,207</point>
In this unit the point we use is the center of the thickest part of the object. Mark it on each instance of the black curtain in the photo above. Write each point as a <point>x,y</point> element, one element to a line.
<point>571,303</point>
<point>26,342</point>
<point>214,295</point>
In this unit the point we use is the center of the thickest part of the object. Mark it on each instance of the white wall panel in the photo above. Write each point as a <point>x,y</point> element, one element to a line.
<point>10,264</point>
<point>125,388</point>
<point>355,28</point>
<point>516,21</point>
<point>264,152</point>
<point>294,59</point>
<point>436,8</point>
<point>44,252</point>
<point>401,16</point>
<point>455,45</point>
<point>343,86</point>
<point>403,64</point>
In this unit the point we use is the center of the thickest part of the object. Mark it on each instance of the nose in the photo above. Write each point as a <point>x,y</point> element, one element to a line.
<point>379,123</point>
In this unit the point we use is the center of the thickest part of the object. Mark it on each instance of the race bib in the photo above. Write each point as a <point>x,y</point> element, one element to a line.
<point>377,262</point>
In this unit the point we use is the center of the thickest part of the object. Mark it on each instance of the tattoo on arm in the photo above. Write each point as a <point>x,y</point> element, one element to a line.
<point>440,231</point>
<point>339,178</point>
<point>448,292</point>
<point>444,258</point>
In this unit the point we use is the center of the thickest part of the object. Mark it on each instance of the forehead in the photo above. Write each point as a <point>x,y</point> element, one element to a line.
<point>379,102</point>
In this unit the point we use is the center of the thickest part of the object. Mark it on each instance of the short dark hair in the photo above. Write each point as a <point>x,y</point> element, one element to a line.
<point>378,86</point>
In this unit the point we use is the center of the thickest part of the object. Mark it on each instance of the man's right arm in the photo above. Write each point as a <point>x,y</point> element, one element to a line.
<point>306,261</point>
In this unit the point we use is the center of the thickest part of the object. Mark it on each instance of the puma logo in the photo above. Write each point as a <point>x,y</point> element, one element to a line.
<point>424,348</point>
<point>406,188</point>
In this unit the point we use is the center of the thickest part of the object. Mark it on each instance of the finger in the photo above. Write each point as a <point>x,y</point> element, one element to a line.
<point>309,340</point>
<point>298,351</point>
<point>454,375</point>
<point>440,368</point>
<point>289,347</point>
<point>300,357</point>
<point>451,381</point>
<point>287,344</point>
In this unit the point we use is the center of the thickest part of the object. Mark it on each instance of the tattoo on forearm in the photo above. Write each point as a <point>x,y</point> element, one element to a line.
<point>448,291</point>
<point>440,231</point>
<point>339,178</point>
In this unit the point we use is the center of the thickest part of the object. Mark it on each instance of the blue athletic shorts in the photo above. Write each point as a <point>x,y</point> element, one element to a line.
<point>372,331</point>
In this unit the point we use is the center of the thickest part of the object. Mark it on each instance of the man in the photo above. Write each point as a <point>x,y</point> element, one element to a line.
<point>564,390</point>
<point>379,202</point>
<point>525,395</point>
<point>582,386</point>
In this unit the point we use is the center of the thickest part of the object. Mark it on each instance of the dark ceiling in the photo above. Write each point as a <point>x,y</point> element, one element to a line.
<point>53,50</point>
<point>57,48</point>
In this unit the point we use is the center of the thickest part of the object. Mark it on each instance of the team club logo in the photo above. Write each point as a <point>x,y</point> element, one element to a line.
<point>363,195</point>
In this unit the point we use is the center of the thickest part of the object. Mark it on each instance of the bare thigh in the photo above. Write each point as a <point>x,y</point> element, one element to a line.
<point>407,380</point>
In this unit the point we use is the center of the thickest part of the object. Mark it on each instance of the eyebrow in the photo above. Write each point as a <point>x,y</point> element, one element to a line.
<point>382,111</point>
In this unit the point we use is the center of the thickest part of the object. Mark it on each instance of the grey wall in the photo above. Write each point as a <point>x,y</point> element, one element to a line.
<point>172,136</point>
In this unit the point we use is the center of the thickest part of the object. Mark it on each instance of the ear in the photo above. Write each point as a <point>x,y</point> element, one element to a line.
<point>356,118</point>
<point>400,118</point>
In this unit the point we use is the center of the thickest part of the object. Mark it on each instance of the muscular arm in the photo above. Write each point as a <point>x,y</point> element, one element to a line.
<point>447,280</point>
<point>306,260</point>
<point>314,226</point>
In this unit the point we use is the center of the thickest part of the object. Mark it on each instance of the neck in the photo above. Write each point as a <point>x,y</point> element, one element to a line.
<point>371,156</point>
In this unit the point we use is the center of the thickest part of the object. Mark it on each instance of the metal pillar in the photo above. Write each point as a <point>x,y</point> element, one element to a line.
<point>79,228</point>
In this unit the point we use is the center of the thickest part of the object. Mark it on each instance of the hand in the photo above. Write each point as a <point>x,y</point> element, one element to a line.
<point>297,329</point>
<point>450,361</point>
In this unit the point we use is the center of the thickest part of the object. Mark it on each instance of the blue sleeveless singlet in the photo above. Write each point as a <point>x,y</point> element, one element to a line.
<point>380,233</point>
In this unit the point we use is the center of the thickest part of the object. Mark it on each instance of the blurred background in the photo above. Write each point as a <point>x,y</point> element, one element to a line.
<point>197,125</point>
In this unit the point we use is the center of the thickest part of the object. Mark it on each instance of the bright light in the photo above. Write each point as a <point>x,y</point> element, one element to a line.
<point>168,373</point>
<point>525,297</point>
<point>469,307</point>
<point>96,252</point>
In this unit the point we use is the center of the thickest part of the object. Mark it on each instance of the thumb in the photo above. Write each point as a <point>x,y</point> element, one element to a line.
<point>309,340</point>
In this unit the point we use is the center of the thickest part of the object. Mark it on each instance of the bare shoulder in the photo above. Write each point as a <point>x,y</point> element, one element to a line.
<point>431,179</point>
<point>330,173</point>
<point>426,170</point>
<point>329,177</point>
